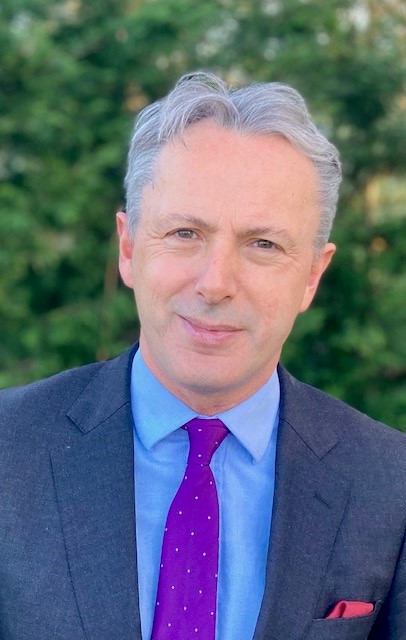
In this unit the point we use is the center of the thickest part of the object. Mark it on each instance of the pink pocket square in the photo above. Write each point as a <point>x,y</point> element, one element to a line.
<point>350,609</point>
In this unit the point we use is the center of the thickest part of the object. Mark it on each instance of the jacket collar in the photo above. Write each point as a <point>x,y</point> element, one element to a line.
<point>94,480</point>
<point>310,499</point>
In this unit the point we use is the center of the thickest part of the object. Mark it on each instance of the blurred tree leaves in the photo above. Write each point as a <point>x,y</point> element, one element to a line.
<point>72,76</point>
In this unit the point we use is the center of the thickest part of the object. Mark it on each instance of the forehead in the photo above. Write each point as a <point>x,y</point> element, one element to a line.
<point>208,140</point>
<point>217,170</point>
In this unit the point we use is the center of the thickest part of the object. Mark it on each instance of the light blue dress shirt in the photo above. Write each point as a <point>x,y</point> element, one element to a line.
<point>244,470</point>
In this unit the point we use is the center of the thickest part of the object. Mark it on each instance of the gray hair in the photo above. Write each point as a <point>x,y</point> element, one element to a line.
<point>264,108</point>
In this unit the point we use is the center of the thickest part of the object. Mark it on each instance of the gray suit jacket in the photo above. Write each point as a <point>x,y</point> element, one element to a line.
<point>68,568</point>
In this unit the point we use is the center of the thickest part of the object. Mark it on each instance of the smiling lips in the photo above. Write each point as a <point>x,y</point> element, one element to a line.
<point>210,327</point>
<point>209,333</point>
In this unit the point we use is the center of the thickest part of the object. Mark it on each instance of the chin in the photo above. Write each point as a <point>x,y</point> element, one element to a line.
<point>201,384</point>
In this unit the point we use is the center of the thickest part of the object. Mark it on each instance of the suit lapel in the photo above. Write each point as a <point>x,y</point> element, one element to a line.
<point>309,504</point>
<point>94,482</point>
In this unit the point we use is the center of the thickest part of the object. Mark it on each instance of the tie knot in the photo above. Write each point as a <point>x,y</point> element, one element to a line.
<point>205,436</point>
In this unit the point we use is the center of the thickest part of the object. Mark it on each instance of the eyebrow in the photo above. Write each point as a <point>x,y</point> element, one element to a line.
<point>195,221</point>
<point>187,220</point>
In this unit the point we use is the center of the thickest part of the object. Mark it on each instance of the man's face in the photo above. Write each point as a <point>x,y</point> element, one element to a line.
<point>222,261</point>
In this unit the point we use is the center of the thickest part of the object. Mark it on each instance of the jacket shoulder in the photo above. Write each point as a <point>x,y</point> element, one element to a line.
<point>327,419</point>
<point>44,399</point>
<point>49,405</point>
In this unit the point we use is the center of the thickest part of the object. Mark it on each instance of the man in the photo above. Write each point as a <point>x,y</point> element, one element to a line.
<point>230,201</point>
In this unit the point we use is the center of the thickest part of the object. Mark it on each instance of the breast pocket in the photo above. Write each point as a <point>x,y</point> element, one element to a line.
<point>343,628</point>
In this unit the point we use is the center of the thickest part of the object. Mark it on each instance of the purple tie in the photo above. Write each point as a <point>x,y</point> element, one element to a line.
<point>187,589</point>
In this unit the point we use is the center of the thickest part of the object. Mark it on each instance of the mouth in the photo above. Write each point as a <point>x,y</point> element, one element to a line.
<point>204,326</point>
<point>209,334</point>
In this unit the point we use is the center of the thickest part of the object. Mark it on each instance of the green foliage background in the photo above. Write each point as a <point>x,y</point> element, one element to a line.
<point>74,73</point>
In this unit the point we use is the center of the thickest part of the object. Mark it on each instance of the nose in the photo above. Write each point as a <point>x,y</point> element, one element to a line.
<point>217,278</point>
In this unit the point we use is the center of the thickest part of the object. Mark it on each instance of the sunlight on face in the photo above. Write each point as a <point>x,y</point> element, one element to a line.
<point>222,261</point>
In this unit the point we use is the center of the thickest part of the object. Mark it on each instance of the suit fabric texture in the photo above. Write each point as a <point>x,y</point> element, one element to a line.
<point>68,567</point>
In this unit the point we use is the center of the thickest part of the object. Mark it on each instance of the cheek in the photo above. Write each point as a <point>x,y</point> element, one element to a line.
<point>277,305</point>
<point>160,279</point>
<point>272,316</point>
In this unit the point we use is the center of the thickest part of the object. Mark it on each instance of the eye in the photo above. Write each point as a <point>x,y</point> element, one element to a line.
<point>185,234</point>
<point>266,244</point>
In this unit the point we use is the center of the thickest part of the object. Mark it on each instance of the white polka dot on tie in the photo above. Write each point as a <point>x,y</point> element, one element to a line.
<point>192,533</point>
<point>169,624</point>
<point>204,553</point>
<point>184,608</point>
<point>161,565</point>
<point>196,629</point>
<point>188,570</point>
<point>173,586</point>
<point>199,455</point>
<point>208,517</point>
<point>215,575</point>
<point>200,591</point>
<point>157,604</point>
<point>176,548</point>
<point>212,613</point>
<point>200,430</point>
<point>180,512</point>
<point>196,497</point>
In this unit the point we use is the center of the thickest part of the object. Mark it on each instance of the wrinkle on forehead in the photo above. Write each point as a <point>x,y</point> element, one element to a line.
<point>253,180</point>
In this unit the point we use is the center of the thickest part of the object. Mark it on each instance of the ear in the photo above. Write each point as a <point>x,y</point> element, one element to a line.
<point>125,249</point>
<point>317,269</point>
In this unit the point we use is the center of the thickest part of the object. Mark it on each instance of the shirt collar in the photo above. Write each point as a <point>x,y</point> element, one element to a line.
<point>157,412</point>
